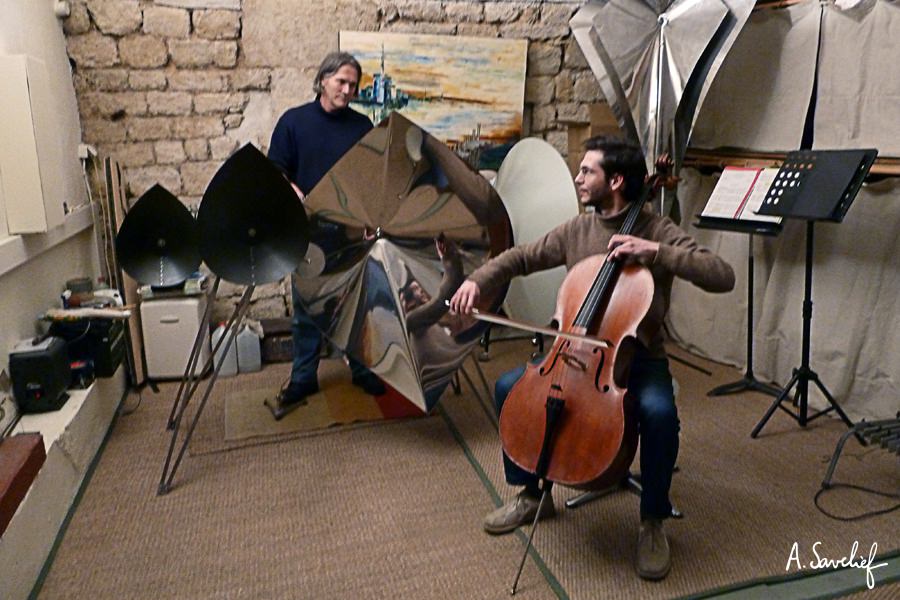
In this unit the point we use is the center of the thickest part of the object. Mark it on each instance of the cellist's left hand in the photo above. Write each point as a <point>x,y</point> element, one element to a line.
<point>625,247</point>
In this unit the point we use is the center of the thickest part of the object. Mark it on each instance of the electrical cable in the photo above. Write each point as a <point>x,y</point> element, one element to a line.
<point>860,516</point>
<point>124,411</point>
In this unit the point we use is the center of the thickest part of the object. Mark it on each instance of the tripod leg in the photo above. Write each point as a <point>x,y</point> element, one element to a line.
<point>833,403</point>
<point>190,370</point>
<point>730,388</point>
<point>165,482</point>
<point>586,497</point>
<point>781,397</point>
<point>484,383</point>
<point>485,344</point>
<point>454,383</point>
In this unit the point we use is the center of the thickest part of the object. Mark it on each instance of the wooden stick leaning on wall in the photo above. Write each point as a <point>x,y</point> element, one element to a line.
<point>719,159</point>
<point>116,208</point>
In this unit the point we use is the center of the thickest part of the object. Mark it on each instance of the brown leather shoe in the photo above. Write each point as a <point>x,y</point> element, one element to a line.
<point>654,560</point>
<point>517,512</point>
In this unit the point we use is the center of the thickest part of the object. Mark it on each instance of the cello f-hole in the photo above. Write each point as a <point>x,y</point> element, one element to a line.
<point>546,370</point>
<point>600,364</point>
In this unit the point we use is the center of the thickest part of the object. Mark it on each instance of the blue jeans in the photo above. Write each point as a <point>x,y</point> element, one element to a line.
<point>651,384</point>
<point>308,344</point>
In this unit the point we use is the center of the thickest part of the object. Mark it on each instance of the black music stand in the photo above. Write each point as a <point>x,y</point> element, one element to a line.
<point>749,380</point>
<point>813,185</point>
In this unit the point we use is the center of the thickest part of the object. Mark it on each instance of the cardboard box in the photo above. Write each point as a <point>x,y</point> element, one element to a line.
<point>21,457</point>
<point>277,343</point>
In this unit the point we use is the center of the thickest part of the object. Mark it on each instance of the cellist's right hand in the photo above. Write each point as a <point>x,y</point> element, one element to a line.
<point>465,298</point>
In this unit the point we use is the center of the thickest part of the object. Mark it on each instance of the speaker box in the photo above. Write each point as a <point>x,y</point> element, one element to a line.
<point>100,341</point>
<point>40,373</point>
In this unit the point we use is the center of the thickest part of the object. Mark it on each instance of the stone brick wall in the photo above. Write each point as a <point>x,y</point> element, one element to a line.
<point>172,87</point>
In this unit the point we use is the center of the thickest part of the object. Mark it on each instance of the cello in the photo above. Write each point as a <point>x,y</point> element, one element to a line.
<point>570,419</point>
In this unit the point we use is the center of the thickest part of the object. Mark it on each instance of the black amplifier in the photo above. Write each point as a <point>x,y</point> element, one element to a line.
<point>100,342</point>
<point>40,373</point>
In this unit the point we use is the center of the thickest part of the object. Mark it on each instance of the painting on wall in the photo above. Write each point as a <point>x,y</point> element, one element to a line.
<point>466,91</point>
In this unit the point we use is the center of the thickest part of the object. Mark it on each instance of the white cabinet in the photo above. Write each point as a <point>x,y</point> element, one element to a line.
<point>170,326</point>
<point>31,155</point>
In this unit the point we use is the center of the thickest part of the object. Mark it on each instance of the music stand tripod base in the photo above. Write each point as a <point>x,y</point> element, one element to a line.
<point>748,382</point>
<point>813,186</point>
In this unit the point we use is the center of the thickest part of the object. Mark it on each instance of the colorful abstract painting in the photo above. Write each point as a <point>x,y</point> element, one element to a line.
<point>466,91</point>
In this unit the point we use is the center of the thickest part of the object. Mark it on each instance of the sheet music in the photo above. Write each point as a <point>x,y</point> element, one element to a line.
<point>739,194</point>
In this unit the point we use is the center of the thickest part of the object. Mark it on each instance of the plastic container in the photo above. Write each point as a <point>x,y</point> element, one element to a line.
<point>249,355</point>
<point>230,366</point>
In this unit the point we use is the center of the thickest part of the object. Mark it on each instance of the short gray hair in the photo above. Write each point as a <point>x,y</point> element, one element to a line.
<point>331,64</point>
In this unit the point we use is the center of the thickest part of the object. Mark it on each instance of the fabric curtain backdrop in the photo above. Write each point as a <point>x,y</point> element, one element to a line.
<point>859,84</point>
<point>759,102</point>
<point>760,96</point>
<point>855,348</point>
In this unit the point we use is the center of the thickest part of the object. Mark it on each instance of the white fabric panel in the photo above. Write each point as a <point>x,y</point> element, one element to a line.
<point>856,314</point>
<point>761,94</point>
<point>855,292</point>
<point>713,325</point>
<point>858,102</point>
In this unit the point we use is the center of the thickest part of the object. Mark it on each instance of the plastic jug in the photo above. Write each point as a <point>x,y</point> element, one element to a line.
<point>249,357</point>
<point>230,366</point>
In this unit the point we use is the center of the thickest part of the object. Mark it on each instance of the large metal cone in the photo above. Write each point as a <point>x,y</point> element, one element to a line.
<point>253,229</point>
<point>158,243</point>
<point>380,294</point>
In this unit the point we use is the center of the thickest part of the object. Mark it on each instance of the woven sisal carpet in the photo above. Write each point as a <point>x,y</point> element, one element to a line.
<point>393,509</point>
<point>387,510</point>
<point>745,501</point>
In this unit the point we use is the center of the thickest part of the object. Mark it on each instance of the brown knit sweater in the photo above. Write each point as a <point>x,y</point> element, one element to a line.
<point>589,233</point>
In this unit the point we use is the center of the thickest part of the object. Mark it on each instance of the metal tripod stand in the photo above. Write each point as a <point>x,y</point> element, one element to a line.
<point>189,386</point>
<point>804,375</point>
<point>748,381</point>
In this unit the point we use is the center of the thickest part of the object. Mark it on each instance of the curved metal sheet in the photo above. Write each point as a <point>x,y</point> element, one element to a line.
<point>253,229</point>
<point>380,297</point>
<point>655,60</point>
<point>539,194</point>
<point>158,242</point>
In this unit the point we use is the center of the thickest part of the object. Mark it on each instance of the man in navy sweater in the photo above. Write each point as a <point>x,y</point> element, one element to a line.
<point>307,141</point>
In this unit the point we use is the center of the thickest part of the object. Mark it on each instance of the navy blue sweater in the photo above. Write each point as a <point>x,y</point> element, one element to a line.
<point>308,141</point>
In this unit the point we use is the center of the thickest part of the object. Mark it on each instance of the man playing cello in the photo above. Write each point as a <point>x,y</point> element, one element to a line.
<point>610,178</point>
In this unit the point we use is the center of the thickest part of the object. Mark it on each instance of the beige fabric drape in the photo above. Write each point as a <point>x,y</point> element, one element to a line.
<point>760,96</point>
<point>759,101</point>
<point>859,82</point>
<point>855,337</point>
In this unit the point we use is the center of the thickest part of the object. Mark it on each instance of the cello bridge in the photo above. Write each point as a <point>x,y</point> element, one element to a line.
<point>573,361</point>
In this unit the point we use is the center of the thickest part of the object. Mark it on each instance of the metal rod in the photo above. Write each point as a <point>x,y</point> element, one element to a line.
<point>181,407</point>
<point>749,380</point>
<point>486,405</point>
<point>803,375</point>
<point>165,483</point>
<point>191,367</point>
<point>537,517</point>
<point>484,383</point>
